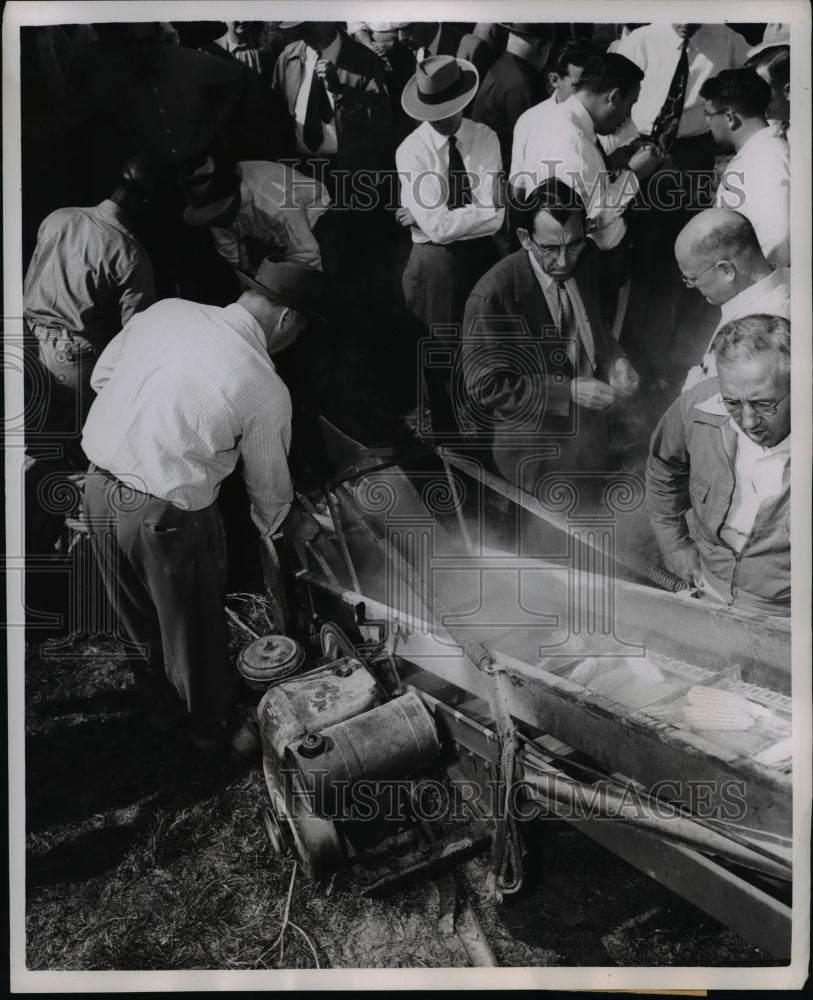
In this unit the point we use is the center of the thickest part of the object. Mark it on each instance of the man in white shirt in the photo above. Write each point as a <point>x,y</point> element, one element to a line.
<point>718,254</point>
<point>256,210</point>
<point>570,150</point>
<point>183,392</point>
<point>450,173</point>
<point>564,70</point>
<point>722,450</point>
<point>657,49</point>
<point>756,181</point>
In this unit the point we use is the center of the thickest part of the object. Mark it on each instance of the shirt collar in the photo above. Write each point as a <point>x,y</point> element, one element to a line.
<point>543,277</point>
<point>438,141</point>
<point>241,319</point>
<point>581,114</point>
<point>714,405</point>
<point>754,140</point>
<point>739,305</point>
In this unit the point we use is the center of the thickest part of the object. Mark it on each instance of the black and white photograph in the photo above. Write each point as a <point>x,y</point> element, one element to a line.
<point>398,574</point>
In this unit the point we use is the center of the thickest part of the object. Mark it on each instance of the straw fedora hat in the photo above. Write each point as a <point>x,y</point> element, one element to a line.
<point>209,192</point>
<point>291,285</point>
<point>441,86</point>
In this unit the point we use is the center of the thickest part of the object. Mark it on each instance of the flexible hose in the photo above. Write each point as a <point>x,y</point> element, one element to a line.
<point>662,577</point>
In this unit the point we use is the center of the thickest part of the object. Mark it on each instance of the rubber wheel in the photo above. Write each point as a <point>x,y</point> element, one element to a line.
<point>315,841</point>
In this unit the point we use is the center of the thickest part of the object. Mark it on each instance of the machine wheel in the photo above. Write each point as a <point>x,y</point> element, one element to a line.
<point>335,643</point>
<point>315,840</point>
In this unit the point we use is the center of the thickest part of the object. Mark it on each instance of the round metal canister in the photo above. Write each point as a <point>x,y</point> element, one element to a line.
<point>387,742</point>
<point>269,659</point>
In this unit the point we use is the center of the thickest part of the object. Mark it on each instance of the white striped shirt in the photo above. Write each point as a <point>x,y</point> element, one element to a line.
<point>184,390</point>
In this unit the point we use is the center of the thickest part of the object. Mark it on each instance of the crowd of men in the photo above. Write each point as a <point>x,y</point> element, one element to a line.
<point>553,213</point>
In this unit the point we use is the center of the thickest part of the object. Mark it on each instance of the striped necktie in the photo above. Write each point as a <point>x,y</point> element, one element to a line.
<point>568,330</point>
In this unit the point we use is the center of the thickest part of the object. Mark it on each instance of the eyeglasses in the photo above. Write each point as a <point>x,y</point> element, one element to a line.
<point>708,115</point>
<point>692,282</point>
<point>553,250</point>
<point>764,407</point>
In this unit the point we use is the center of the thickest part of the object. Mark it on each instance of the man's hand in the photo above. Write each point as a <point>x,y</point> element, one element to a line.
<point>326,71</point>
<point>382,52</point>
<point>624,378</point>
<point>405,217</point>
<point>685,563</point>
<point>592,393</point>
<point>644,161</point>
<point>299,526</point>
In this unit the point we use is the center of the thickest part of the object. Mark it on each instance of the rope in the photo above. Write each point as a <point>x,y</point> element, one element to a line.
<point>506,848</point>
<point>662,577</point>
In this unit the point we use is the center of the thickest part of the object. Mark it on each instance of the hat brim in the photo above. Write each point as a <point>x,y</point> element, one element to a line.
<point>269,293</point>
<point>423,112</point>
<point>526,34</point>
<point>285,25</point>
<point>767,45</point>
<point>206,215</point>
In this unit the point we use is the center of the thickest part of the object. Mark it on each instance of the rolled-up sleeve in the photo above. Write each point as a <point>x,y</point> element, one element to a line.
<point>264,448</point>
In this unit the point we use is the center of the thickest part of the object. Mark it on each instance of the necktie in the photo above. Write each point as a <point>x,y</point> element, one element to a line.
<point>459,183</point>
<point>568,330</point>
<point>606,161</point>
<point>319,110</point>
<point>665,126</point>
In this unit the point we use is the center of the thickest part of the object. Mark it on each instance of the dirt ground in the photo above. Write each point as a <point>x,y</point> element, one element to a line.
<point>143,854</point>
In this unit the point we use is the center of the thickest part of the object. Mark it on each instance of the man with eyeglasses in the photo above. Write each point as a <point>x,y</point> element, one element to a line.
<point>718,474</point>
<point>718,254</point>
<point>756,181</point>
<point>540,369</point>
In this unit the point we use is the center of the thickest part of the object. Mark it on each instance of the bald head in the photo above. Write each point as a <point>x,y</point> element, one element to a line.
<point>716,233</point>
<point>718,253</point>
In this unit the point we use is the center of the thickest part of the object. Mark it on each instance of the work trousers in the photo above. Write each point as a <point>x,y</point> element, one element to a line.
<point>437,281</point>
<point>164,570</point>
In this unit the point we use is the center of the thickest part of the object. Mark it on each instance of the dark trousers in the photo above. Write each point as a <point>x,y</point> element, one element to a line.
<point>662,312</point>
<point>437,282</point>
<point>164,570</point>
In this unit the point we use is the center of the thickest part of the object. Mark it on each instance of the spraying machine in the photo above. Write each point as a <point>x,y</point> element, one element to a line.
<point>437,674</point>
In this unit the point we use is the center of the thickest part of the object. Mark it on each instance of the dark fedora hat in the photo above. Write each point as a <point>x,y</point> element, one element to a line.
<point>528,29</point>
<point>441,86</point>
<point>299,288</point>
<point>209,192</point>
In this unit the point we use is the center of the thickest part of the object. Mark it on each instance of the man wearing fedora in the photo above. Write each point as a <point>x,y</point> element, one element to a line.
<point>514,83</point>
<point>451,192</point>
<point>336,98</point>
<point>257,209</point>
<point>183,392</point>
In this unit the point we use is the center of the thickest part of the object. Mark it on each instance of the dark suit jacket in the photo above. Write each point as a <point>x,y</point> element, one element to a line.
<point>453,42</point>
<point>517,375</point>
<point>363,115</point>
<point>510,88</point>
